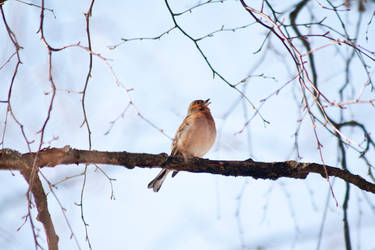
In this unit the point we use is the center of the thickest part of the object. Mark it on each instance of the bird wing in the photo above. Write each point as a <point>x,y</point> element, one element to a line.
<point>181,130</point>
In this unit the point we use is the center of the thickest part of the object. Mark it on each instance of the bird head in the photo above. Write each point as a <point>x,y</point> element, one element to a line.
<point>198,105</point>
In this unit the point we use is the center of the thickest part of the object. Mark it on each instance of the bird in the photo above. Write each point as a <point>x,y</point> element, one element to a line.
<point>194,138</point>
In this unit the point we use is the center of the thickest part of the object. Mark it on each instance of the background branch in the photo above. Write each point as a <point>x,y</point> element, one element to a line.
<point>36,188</point>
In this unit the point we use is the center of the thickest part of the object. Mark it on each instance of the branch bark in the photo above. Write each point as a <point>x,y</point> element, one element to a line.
<point>41,203</point>
<point>16,161</point>
<point>51,157</point>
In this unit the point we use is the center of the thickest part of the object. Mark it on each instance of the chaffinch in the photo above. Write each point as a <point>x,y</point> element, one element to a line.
<point>194,137</point>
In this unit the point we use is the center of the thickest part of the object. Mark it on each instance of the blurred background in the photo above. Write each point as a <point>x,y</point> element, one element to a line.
<point>159,78</point>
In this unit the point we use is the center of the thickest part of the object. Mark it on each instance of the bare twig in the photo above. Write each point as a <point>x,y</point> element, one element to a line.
<point>85,119</point>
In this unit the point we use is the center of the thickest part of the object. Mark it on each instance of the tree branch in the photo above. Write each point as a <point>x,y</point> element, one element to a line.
<point>50,157</point>
<point>26,169</point>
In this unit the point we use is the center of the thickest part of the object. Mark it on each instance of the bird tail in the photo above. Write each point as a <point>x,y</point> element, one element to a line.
<point>156,183</point>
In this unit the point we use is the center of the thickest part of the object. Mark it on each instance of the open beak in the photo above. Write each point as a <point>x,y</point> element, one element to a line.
<point>207,102</point>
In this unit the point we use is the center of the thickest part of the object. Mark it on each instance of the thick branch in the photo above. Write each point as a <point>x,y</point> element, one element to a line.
<point>39,195</point>
<point>10,159</point>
